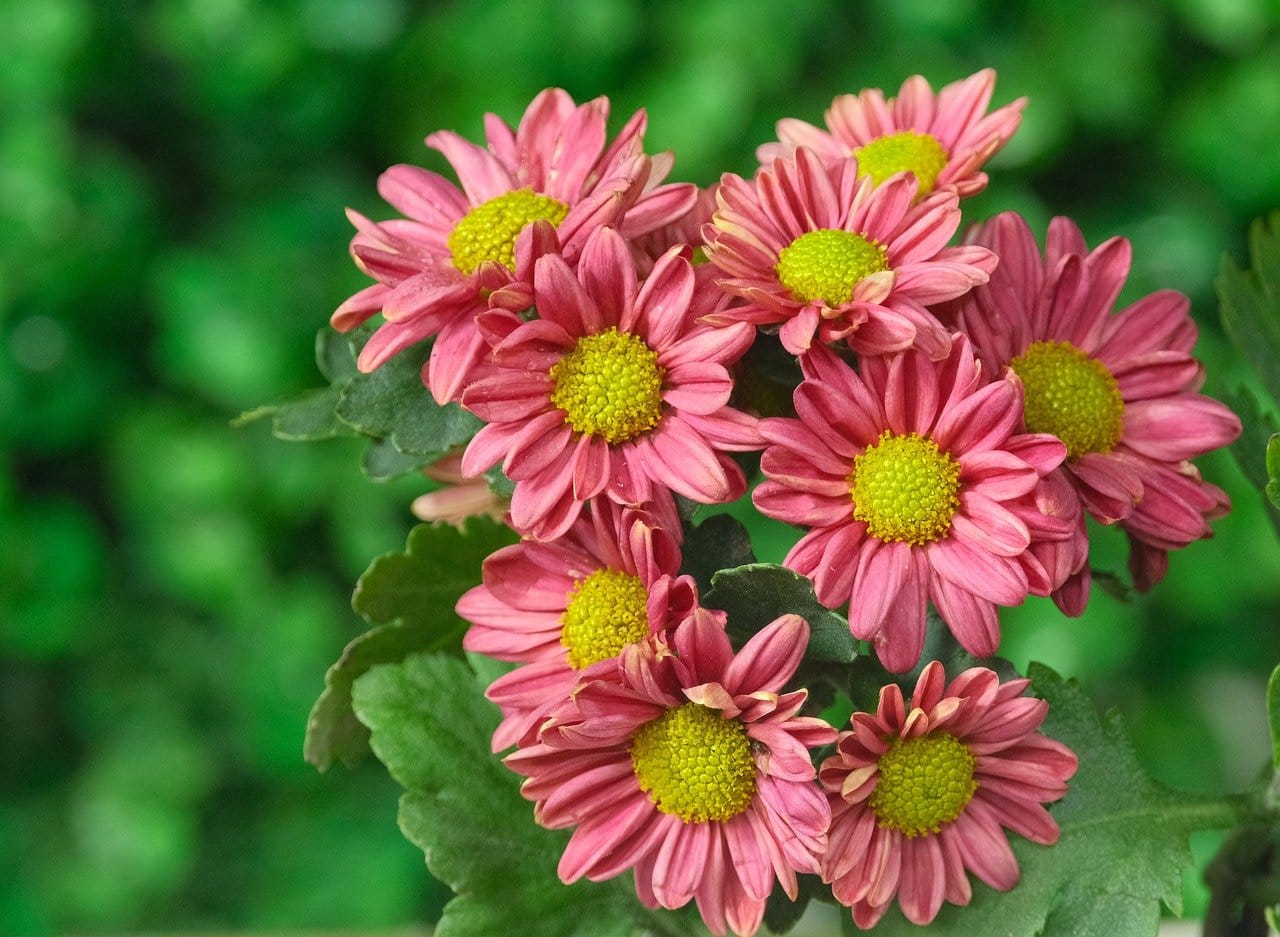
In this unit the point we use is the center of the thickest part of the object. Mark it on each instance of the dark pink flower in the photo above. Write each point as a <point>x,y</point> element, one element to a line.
<point>691,767</point>
<point>921,794</point>
<point>1119,389</point>
<point>943,139</point>
<point>916,487</point>
<point>614,390</point>
<point>829,257</point>
<point>458,250</point>
<point>558,608</point>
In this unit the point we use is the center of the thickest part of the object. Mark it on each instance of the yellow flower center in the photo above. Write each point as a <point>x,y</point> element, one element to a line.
<point>488,231</point>
<point>1072,396</point>
<point>606,612</point>
<point>827,264</point>
<point>610,385</point>
<point>694,764</point>
<point>923,783</point>
<point>905,151</point>
<point>905,488</point>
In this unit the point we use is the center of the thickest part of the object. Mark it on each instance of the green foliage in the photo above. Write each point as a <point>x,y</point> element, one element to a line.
<point>430,726</point>
<point>1245,879</point>
<point>1273,469</point>
<point>756,594</point>
<point>311,416</point>
<point>781,913</point>
<point>1123,848</point>
<point>1249,306</point>
<point>1273,716</point>
<point>719,542</point>
<point>407,429</point>
<point>391,403</point>
<point>409,598</point>
<point>1250,302</point>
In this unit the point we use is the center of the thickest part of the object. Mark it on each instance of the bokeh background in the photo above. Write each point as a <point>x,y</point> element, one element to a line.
<point>172,178</point>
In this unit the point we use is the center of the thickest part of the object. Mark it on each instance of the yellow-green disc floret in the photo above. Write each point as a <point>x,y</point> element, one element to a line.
<point>695,764</point>
<point>905,488</point>
<point>1072,396</point>
<point>923,783</point>
<point>606,612</point>
<point>827,264</point>
<point>905,151</point>
<point>489,231</point>
<point>609,385</point>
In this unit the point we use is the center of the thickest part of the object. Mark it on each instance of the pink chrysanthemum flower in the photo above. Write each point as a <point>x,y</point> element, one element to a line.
<point>920,794</point>
<point>1119,390</point>
<point>916,487</point>
<point>558,608</point>
<point>613,390</point>
<point>691,767</point>
<point>458,250</point>
<point>943,139</point>
<point>809,246</point>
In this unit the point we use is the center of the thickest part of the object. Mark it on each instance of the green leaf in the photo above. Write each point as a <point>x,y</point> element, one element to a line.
<point>1123,848</point>
<point>410,597</point>
<point>756,594</point>
<point>1273,716</point>
<point>1273,469</point>
<point>419,587</point>
<point>336,353</point>
<point>430,726</point>
<point>333,732</point>
<point>391,403</point>
<point>781,913</point>
<point>499,484</point>
<point>308,417</point>
<point>383,461</point>
<point>719,542</point>
<point>1249,302</point>
<point>1256,451</point>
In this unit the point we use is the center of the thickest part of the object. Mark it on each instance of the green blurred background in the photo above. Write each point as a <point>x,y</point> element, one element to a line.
<point>172,178</point>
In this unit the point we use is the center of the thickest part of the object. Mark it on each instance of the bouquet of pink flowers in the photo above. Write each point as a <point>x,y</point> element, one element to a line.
<point>588,355</point>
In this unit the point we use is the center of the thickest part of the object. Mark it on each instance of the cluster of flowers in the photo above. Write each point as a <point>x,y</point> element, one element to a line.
<point>962,410</point>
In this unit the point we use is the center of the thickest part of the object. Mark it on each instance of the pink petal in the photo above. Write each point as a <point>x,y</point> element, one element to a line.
<point>422,195</point>
<point>698,388</point>
<point>482,176</point>
<point>608,274</point>
<point>994,578</point>
<point>983,420</point>
<point>684,462</point>
<point>561,298</point>
<point>770,658</point>
<point>1174,429</point>
<point>881,570</point>
<point>971,619</point>
<point>662,306</point>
